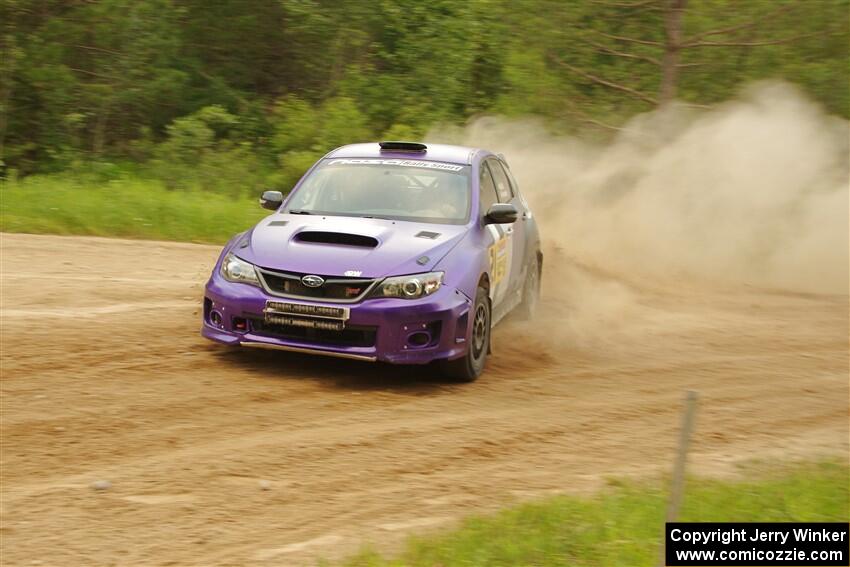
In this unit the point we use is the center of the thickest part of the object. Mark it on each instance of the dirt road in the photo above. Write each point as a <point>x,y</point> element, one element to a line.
<point>266,458</point>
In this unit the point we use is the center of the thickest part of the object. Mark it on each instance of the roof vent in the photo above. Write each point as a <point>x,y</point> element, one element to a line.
<point>341,238</point>
<point>413,147</point>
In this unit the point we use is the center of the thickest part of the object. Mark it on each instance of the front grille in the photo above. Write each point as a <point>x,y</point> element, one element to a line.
<point>352,335</point>
<point>302,309</point>
<point>334,289</point>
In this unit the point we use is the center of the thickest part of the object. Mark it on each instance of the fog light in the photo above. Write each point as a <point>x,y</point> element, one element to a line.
<point>419,338</point>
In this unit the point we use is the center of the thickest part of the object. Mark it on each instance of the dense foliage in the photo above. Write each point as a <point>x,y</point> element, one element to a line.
<point>228,96</point>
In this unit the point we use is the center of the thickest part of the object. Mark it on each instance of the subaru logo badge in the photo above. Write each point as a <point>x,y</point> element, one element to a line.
<point>312,281</point>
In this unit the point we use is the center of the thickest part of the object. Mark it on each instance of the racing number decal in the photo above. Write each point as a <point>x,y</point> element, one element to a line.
<point>500,261</point>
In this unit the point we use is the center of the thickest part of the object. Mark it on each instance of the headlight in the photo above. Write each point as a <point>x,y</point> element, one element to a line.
<point>410,287</point>
<point>237,270</point>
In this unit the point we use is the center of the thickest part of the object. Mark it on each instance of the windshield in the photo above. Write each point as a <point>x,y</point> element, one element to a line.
<point>398,189</point>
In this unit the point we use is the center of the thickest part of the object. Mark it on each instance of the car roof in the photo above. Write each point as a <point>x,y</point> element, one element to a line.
<point>433,152</point>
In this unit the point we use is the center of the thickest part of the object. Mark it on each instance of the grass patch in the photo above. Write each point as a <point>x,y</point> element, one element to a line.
<point>622,525</point>
<point>124,207</point>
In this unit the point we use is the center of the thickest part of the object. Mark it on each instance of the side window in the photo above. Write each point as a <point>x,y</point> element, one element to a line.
<point>503,186</point>
<point>487,190</point>
<point>512,179</point>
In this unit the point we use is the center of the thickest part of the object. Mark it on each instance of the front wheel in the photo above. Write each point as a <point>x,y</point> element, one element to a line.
<point>470,366</point>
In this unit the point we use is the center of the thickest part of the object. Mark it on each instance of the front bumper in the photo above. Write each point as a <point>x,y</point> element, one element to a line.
<point>376,329</point>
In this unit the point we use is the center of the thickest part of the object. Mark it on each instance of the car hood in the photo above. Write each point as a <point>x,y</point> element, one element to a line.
<point>343,246</point>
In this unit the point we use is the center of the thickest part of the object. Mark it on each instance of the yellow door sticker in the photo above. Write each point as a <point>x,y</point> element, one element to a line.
<point>498,253</point>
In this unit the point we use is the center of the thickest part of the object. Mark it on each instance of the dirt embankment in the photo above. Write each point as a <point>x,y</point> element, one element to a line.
<point>265,458</point>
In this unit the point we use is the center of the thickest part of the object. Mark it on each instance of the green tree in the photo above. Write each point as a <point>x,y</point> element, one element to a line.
<point>108,80</point>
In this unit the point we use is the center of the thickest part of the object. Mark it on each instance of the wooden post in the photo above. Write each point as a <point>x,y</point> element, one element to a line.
<point>677,483</point>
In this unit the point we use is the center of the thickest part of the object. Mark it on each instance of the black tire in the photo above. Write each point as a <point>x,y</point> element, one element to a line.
<point>527,308</point>
<point>470,366</point>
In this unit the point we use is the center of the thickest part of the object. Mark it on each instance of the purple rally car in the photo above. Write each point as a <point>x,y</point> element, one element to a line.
<point>396,251</point>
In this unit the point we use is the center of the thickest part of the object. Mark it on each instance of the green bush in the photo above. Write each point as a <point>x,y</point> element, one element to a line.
<point>198,154</point>
<point>296,125</point>
<point>401,132</point>
<point>342,123</point>
<point>304,133</point>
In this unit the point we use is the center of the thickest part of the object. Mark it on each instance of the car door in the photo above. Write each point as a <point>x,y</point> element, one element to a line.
<point>498,240</point>
<point>515,232</point>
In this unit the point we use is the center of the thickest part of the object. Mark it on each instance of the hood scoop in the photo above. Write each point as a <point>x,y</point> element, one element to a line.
<point>338,238</point>
<point>427,234</point>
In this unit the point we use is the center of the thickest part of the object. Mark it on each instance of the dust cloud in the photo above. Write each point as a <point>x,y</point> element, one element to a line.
<point>752,192</point>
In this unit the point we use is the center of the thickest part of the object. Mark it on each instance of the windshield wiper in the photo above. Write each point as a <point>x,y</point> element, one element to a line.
<point>299,212</point>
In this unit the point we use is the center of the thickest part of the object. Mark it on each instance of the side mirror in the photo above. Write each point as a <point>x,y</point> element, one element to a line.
<point>271,200</point>
<point>501,213</point>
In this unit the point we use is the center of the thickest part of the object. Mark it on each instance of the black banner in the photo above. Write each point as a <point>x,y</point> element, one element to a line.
<point>764,544</point>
